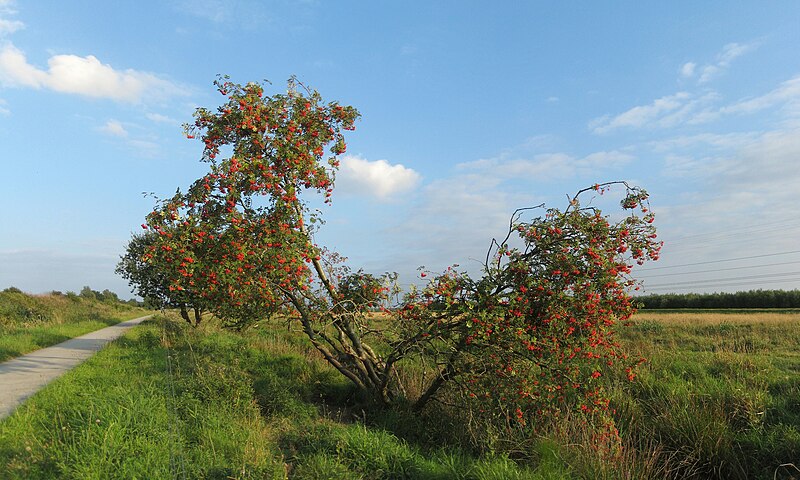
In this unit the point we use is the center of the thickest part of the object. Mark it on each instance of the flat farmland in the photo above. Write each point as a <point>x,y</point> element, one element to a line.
<point>719,394</point>
<point>717,397</point>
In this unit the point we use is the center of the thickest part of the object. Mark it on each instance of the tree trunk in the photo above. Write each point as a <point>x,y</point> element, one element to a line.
<point>185,314</point>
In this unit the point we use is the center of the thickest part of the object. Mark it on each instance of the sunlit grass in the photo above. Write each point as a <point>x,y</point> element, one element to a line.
<point>693,319</point>
<point>169,401</point>
<point>31,322</point>
<point>719,397</point>
<point>719,394</point>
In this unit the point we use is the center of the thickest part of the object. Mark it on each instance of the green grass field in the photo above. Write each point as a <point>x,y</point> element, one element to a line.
<point>718,398</point>
<point>720,394</point>
<point>168,401</point>
<point>28,323</point>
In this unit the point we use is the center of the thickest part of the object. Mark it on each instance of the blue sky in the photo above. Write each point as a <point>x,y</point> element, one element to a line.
<point>470,110</point>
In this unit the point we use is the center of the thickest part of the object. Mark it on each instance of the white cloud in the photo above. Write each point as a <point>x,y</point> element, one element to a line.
<point>713,140</point>
<point>540,167</point>
<point>10,26</point>
<point>729,53</point>
<point>642,115</point>
<point>158,118</point>
<point>217,11</point>
<point>248,14</point>
<point>687,70</point>
<point>547,166</point>
<point>787,95</point>
<point>85,76</point>
<point>132,136</point>
<point>7,6</point>
<point>145,148</point>
<point>767,165</point>
<point>755,182</point>
<point>709,72</point>
<point>685,107</point>
<point>3,109</point>
<point>665,112</point>
<point>114,128</point>
<point>377,178</point>
<point>732,51</point>
<point>15,70</point>
<point>453,221</point>
<point>612,159</point>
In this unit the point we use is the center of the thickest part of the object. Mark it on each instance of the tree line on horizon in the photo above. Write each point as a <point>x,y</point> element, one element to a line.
<point>743,299</point>
<point>106,296</point>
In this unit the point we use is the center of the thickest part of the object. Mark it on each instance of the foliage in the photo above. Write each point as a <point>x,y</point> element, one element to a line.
<point>533,335</point>
<point>749,299</point>
<point>31,322</point>
<point>88,293</point>
<point>152,280</point>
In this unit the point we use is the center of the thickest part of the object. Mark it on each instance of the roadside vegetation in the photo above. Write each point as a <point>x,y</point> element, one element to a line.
<point>719,397</point>
<point>524,362</point>
<point>31,322</point>
<point>170,401</point>
<point>752,299</point>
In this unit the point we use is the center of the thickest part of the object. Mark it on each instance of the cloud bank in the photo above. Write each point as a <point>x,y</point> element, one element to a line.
<point>85,76</point>
<point>378,178</point>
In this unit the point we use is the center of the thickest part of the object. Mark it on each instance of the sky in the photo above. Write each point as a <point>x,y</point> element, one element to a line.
<point>469,111</point>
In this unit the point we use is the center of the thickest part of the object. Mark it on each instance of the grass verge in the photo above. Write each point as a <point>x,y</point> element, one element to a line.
<point>719,395</point>
<point>718,398</point>
<point>169,401</point>
<point>29,322</point>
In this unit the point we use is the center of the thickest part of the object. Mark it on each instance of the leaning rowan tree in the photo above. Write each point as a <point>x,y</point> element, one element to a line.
<point>533,334</point>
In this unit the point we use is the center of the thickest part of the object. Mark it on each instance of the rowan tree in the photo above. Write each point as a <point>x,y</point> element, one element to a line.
<point>151,276</point>
<point>533,334</point>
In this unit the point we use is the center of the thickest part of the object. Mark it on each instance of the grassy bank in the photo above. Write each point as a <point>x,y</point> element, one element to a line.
<point>168,401</point>
<point>720,394</point>
<point>718,398</point>
<point>31,322</point>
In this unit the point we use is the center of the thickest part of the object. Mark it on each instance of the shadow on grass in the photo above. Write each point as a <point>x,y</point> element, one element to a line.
<point>290,386</point>
<point>8,353</point>
<point>39,338</point>
<point>108,321</point>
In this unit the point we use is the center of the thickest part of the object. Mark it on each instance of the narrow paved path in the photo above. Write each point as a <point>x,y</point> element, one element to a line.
<point>23,376</point>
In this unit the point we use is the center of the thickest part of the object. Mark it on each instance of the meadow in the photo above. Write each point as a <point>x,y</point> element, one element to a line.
<point>720,394</point>
<point>31,322</point>
<point>719,397</point>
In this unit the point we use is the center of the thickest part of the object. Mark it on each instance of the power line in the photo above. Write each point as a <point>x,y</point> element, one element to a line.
<point>733,239</point>
<point>724,285</point>
<point>720,261</point>
<point>755,242</point>
<point>748,277</point>
<point>720,270</point>
<point>749,229</point>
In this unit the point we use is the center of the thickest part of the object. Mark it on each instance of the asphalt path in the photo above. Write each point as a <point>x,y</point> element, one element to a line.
<point>23,376</point>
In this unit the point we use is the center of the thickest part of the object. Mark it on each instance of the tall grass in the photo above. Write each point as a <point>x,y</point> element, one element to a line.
<point>169,401</point>
<point>31,322</point>
<point>719,397</point>
<point>144,407</point>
